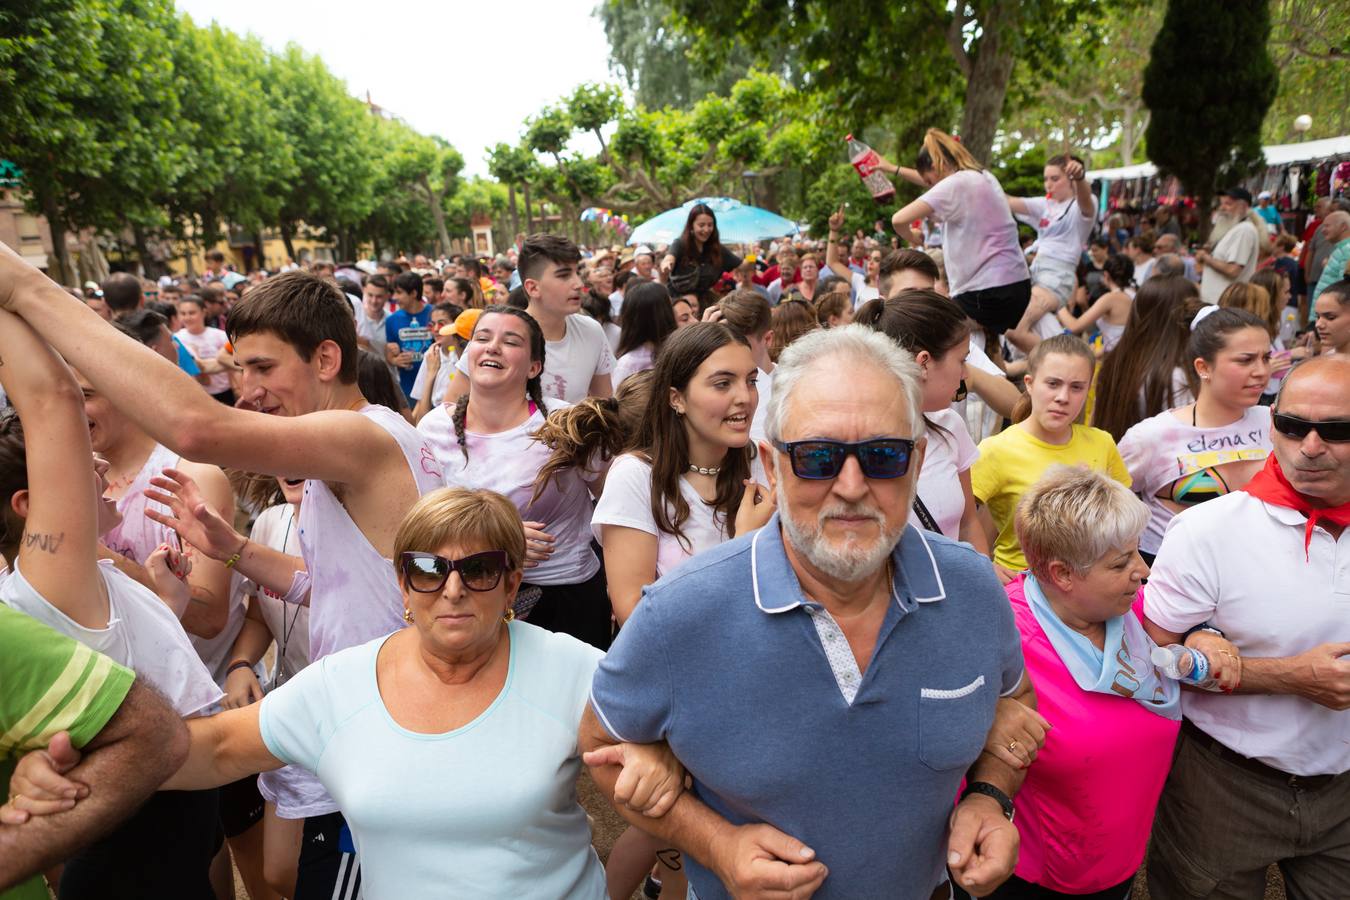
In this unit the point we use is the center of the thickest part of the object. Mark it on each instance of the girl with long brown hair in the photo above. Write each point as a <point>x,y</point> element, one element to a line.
<point>696,259</point>
<point>1148,371</point>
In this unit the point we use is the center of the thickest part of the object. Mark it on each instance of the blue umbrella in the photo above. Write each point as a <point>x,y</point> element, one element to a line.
<point>737,223</point>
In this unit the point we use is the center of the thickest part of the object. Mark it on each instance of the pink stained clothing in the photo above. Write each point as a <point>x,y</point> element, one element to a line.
<point>205,346</point>
<point>137,536</point>
<point>354,594</point>
<point>1086,808</point>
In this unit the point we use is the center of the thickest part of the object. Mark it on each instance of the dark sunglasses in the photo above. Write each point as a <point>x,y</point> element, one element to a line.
<point>427,573</point>
<point>1335,431</point>
<point>822,460</point>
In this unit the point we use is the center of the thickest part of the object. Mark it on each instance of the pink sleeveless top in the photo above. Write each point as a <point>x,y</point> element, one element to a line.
<point>137,536</point>
<point>354,594</point>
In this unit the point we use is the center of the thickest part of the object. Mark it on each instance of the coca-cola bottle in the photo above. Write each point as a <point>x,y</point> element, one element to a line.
<point>868,164</point>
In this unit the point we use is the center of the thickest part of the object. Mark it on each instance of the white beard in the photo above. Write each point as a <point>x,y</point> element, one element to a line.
<point>850,563</point>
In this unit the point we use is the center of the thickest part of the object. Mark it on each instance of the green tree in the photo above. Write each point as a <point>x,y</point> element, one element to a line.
<point>1311,49</point>
<point>512,166</point>
<point>91,111</point>
<point>328,131</point>
<point>659,62</point>
<point>903,63</point>
<point>1208,84</point>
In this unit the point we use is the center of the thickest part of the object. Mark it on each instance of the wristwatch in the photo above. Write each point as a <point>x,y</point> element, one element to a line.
<point>984,787</point>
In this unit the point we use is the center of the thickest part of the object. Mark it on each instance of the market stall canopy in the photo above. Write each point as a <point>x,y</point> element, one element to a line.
<point>737,223</point>
<point>1276,155</point>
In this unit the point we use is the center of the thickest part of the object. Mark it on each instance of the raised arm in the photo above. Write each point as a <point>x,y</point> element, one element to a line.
<point>58,549</point>
<point>833,258</point>
<point>910,175</point>
<point>122,766</point>
<point>1017,205</point>
<point>1080,324</point>
<point>1082,191</point>
<point>178,413</point>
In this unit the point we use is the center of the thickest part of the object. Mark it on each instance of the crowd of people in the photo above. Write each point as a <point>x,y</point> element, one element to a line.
<point>845,568</point>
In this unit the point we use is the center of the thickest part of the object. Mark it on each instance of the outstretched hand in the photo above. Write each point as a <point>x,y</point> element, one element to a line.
<point>195,520</point>
<point>836,221</point>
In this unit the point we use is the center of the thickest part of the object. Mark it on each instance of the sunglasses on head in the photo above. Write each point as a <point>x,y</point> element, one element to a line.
<point>1335,431</point>
<point>427,573</point>
<point>819,460</point>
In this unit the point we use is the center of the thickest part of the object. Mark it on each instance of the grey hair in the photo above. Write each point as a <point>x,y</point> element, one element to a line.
<point>853,346</point>
<point>1076,515</point>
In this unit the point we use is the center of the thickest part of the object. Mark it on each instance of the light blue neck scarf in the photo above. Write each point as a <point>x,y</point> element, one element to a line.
<point>1123,668</point>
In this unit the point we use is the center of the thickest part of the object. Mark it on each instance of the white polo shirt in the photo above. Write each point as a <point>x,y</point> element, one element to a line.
<point>1238,563</point>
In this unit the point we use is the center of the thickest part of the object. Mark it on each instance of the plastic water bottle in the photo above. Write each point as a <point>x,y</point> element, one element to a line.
<point>868,163</point>
<point>1185,665</point>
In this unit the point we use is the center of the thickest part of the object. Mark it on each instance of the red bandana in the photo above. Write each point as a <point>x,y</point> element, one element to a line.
<point>1270,485</point>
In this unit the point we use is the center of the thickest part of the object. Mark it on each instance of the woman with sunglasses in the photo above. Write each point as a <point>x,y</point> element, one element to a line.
<point>450,745</point>
<point>487,440</point>
<point>937,332</point>
<point>1194,453</point>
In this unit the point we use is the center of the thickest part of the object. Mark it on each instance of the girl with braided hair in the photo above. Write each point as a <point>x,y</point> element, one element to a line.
<point>487,440</point>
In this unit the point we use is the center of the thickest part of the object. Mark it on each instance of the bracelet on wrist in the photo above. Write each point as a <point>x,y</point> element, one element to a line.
<point>238,554</point>
<point>238,664</point>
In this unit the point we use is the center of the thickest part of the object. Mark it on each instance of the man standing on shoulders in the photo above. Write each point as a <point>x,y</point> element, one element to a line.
<point>577,357</point>
<point>834,673</point>
<point>407,332</point>
<point>1263,776</point>
<point>1234,256</point>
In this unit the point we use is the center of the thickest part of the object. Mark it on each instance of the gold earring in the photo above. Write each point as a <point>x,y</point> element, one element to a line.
<point>509,614</point>
<point>407,614</point>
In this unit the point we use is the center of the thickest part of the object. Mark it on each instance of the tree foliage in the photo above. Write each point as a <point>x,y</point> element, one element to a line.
<point>1208,84</point>
<point>125,117</point>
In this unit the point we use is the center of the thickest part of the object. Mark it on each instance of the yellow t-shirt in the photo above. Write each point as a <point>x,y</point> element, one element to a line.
<point>1013,460</point>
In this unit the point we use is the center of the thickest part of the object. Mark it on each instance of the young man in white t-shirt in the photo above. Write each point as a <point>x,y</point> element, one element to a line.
<point>577,356</point>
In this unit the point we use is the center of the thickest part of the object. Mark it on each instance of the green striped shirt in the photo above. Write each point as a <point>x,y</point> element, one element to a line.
<point>50,683</point>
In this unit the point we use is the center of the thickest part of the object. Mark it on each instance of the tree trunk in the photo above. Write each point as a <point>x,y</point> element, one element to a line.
<point>515,215</point>
<point>287,232</point>
<point>62,272</point>
<point>990,71</point>
<point>259,259</point>
<point>529,214</point>
<point>437,216</point>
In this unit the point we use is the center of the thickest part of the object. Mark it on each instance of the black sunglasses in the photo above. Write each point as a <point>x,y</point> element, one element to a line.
<point>1335,431</point>
<point>821,460</point>
<point>427,573</point>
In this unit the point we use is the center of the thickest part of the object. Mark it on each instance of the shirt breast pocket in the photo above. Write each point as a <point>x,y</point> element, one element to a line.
<point>953,724</point>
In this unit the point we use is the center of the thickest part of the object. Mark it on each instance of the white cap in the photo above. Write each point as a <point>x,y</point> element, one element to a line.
<point>642,250</point>
<point>1264,195</point>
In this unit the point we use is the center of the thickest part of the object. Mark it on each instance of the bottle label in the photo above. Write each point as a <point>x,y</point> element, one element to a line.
<point>1199,673</point>
<point>866,162</point>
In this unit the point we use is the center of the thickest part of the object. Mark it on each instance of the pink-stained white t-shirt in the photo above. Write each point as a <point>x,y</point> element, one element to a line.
<point>1086,808</point>
<point>207,345</point>
<point>979,237</point>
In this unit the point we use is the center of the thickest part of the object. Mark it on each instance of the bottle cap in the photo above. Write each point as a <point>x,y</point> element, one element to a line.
<point>848,137</point>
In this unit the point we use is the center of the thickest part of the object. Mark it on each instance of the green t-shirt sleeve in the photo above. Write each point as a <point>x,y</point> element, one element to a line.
<point>51,683</point>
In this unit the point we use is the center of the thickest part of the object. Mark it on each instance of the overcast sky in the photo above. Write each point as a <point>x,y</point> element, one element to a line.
<point>471,72</point>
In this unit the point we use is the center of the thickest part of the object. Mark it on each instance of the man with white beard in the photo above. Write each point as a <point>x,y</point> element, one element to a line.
<point>834,673</point>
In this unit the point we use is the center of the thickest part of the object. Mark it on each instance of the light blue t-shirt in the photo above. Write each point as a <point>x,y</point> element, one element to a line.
<point>487,810</point>
<point>725,661</point>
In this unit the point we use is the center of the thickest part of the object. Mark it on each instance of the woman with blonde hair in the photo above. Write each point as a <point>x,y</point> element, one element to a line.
<point>986,269</point>
<point>1086,808</point>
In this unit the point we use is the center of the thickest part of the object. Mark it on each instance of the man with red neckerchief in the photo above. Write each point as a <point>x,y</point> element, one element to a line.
<point>1263,776</point>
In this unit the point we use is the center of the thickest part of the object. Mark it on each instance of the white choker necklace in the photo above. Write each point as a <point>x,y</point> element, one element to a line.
<point>702,471</point>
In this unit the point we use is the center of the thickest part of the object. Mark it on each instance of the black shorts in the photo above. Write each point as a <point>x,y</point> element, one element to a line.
<point>241,806</point>
<point>164,850</point>
<point>997,308</point>
<point>581,610</point>
<point>328,868</point>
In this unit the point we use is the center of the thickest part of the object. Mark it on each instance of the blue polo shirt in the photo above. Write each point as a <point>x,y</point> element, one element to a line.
<point>729,662</point>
